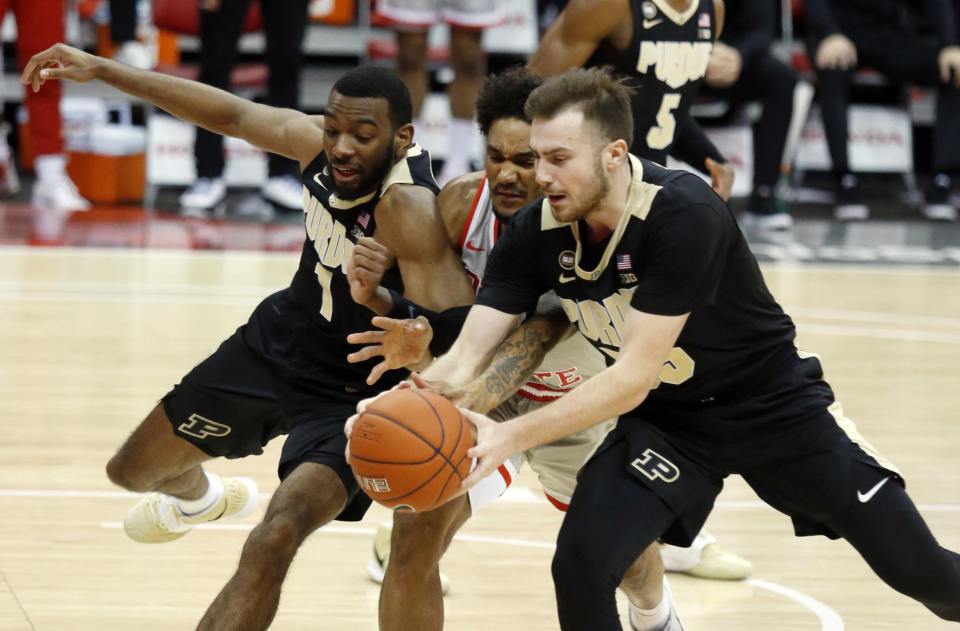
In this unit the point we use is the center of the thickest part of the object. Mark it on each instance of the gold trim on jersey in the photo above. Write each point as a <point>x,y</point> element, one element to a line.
<point>680,18</point>
<point>639,200</point>
<point>547,220</point>
<point>850,429</point>
<point>400,172</point>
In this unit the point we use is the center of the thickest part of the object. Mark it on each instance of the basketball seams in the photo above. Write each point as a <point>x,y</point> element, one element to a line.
<point>419,436</point>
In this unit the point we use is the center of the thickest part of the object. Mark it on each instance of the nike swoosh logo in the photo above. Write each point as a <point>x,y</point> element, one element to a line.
<point>471,246</point>
<point>316,178</point>
<point>866,497</point>
<point>651,23</point>
<point>567,279</point>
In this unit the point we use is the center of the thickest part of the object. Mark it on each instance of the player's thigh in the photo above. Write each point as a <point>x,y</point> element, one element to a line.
<point>317,437</point>
<point>231,404</point>
<point>558,464</point>
<point>820,472</point>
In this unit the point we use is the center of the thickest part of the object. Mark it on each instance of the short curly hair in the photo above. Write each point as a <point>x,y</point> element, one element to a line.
<point>503,95</point>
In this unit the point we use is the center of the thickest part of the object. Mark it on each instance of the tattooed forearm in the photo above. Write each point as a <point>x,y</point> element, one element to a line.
<point>515,360</point>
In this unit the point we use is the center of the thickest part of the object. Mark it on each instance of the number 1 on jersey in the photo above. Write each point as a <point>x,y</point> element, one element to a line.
<point>661,135</point>
<point>326,304</point>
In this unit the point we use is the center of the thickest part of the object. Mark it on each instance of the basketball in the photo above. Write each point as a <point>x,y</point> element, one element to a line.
<point>408,450</point>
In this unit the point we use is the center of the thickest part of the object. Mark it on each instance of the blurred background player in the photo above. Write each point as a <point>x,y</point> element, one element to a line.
<point>663,47</point>
<point>40,24</point>
<point>221,23</point>
<point>847,34</point>
<point>411,20</point>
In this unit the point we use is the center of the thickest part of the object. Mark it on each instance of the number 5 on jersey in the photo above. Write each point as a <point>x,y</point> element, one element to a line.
<point>661,135</point>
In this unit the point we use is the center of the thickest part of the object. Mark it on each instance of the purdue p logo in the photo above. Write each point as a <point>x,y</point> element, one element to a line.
<point>200,427</point>
<point>655,466</point>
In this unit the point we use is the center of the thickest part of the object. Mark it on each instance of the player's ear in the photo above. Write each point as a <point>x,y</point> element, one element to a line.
<point>615,152</point>
<point>402,139</point>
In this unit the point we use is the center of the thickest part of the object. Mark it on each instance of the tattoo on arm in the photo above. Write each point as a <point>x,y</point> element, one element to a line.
<point>517,358</point>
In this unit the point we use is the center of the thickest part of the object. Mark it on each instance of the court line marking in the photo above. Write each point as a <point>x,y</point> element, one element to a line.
<point>829,619</point>
<point>518,495</point>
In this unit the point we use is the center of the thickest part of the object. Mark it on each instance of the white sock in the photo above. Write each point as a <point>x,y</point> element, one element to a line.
<point>457,161</point>
<point>50,167</point>
<point>204,503</point>
<point>652,619</point>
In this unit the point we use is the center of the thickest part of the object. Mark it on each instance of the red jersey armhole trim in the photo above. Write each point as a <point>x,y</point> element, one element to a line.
<point>473,210</point>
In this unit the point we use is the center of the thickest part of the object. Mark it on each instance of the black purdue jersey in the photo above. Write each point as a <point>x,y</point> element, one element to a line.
<point>333,225</point>
<point>677,249</point>
<point>664,63</point>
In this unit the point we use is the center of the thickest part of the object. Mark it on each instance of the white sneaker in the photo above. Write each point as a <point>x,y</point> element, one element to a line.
<point>851,212</point>
<point>673,620</point>
<point>705,559</point>
<point>135,54</point>
<point>377,564</point>
<point>203,195</point>
<point>283,190</point>
<point>157,518</point>
<point>940,212</point>
<point>58,193</point>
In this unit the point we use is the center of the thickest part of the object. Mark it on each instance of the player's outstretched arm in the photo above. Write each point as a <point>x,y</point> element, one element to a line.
<point>283,131</point>
<point>576,34</point>
<point>619,388</point>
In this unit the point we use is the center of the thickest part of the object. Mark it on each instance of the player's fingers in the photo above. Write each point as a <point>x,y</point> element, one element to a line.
<point>348,426</point>
<point>365,353</point>
<point>366,337</point>
<point>419,381</point>
<point>387,324</point>
<point>376,372</point>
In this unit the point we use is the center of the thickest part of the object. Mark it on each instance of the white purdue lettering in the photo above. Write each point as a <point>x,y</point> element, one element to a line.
<point>332,246</point>
<point>600,322</point>
<point>675,63</point>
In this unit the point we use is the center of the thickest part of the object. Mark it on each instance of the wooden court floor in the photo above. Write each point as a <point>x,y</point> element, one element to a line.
<point>90,339</point>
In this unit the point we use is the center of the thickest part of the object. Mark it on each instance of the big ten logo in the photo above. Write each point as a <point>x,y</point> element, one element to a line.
<point>202,427</point>
<point>656,467</point>
<point>373,485</point>
<point>560,378</point>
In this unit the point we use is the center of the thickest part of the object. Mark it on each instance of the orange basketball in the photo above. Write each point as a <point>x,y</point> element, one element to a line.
<point>408,450</point>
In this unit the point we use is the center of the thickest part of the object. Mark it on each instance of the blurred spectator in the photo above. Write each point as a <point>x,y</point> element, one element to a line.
<point>743,69</point>
<point>875,33</point>
<point>221,24</point>
<point>411,20</point>
<point>40,24</point>
<point>123,34</point>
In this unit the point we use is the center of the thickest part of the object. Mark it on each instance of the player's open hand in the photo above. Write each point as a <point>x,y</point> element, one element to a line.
<point>365,268</point>
<point>401,343</point>
<point>60,62</point>
<point>721,177</point>
<point>494,446</point>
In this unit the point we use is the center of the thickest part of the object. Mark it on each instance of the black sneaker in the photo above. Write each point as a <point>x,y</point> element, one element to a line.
<point>849,206</point>
<point>937,203</point>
